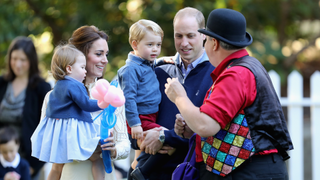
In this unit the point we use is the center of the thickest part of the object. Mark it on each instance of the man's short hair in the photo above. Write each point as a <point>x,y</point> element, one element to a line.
<point>193,12</point>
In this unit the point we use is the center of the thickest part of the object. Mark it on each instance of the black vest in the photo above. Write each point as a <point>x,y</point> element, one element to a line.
<point>268,128</point>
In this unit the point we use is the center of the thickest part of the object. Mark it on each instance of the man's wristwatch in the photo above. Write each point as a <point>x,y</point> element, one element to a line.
<point>161,136</point>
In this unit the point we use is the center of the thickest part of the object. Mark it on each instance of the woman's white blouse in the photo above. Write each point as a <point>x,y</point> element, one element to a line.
<point>119,130</point>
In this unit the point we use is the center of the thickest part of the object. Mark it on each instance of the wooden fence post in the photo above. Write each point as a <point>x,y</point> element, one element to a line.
<point>295,125</point>
<point>315,123</point>
<point>275,78</point>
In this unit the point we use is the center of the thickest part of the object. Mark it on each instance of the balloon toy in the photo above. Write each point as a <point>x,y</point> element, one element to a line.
<point>109,97</point>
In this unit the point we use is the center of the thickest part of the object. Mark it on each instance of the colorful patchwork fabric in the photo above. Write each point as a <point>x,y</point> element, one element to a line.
<point>229,148</point>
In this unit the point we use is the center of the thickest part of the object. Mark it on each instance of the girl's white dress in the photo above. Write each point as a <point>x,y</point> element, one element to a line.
<point>64,140</point>
<point>82,170</point>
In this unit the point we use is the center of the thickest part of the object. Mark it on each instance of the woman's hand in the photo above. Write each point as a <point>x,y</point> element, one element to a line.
<point>110,145</point>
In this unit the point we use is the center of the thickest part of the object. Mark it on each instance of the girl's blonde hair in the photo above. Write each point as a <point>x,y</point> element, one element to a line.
<point>63,56</point>
<point>140,28</point>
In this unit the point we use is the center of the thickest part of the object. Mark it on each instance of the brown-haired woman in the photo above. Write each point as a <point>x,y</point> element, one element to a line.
<point>94,45</point>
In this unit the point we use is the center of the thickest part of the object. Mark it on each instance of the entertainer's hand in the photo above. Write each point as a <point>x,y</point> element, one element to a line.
<point>174,89</point>
<point>151,143</point>
<point>181,128</point>
<point>110,145</point>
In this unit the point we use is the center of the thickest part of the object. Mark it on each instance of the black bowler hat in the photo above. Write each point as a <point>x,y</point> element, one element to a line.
<point>228,26</point>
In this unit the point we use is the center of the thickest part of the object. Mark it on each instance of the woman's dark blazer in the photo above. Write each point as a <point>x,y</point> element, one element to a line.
<point>35,94</point>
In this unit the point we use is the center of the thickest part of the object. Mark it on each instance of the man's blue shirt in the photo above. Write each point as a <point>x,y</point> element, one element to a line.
<point>192,65</point>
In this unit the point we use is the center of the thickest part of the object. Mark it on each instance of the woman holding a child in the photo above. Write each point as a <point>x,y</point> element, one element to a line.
<point>93,43</point>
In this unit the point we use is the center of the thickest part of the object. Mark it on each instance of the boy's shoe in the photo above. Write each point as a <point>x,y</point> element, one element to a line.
<point>137,175</point>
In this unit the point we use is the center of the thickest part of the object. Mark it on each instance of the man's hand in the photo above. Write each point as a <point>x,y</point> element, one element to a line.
<point>151,143</point>
<point>165,60</point>
<point>166,149</point>
<point>168,59</point>
<point>181,128</point>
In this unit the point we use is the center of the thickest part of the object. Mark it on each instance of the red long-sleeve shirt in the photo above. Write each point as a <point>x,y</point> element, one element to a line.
<point>234,89</point>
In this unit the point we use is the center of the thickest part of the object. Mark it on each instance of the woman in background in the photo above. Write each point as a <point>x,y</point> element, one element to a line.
<point>22,91</point>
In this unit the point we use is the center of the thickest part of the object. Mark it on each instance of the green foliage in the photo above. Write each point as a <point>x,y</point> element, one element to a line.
<point>270,22</point>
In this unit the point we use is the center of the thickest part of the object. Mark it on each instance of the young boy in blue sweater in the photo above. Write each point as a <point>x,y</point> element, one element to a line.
<point>140,86</point>
<point>12,166</point>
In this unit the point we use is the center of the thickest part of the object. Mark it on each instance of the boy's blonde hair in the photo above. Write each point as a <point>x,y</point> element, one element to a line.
<point>63,56</point>
<point>139,29</point>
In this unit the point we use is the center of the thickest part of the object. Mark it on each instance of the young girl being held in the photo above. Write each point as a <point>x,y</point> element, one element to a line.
<point>67,132</point>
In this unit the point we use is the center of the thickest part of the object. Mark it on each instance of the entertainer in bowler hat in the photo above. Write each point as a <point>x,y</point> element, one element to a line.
<point>241,129</point>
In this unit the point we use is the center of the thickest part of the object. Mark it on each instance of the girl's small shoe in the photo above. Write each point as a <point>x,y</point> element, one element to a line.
<point>137,175</point>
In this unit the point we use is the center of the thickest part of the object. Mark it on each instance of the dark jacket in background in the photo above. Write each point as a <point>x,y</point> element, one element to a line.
<point>30,116</point>
<point>22,169</point>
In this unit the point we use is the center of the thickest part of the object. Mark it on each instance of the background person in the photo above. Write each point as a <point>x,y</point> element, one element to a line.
<point>12,165</point>
<point>242,127</point>
<point>22,91</point>
<point>192,68</point>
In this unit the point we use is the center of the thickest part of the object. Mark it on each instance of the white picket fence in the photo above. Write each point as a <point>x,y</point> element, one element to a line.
<point>295,103</point>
